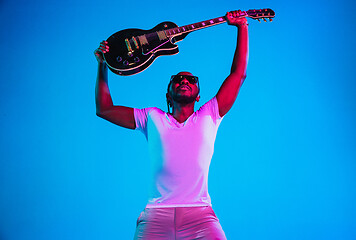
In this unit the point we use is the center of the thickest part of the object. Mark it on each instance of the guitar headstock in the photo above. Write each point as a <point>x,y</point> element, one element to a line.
<point>261,14</point>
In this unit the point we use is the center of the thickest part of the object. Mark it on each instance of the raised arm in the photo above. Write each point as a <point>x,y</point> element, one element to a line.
<point>120,115</point>
<point>228,91</point>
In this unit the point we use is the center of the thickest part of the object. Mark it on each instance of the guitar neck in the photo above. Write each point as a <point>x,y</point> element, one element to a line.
<point>194,27</point>
<point>254,14</point>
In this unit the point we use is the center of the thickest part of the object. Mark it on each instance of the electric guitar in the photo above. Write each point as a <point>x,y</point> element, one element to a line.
<point>133,50</point>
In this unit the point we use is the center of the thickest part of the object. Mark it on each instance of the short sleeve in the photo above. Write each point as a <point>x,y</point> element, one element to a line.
<point>212,108</point>
<point>215,108</point>
<point>141,116</point>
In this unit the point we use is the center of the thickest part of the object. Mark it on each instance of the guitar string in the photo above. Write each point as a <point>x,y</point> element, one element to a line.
<point>143,39</point>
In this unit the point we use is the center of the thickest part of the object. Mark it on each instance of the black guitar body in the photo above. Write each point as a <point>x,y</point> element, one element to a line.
<point>133,50</point>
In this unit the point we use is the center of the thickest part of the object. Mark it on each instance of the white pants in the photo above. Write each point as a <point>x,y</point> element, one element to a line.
<point>179,223</point>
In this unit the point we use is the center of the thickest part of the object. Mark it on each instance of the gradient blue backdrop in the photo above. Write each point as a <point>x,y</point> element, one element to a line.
<point>284,163</point>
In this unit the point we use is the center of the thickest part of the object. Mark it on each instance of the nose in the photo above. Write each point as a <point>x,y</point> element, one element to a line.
<point>184,80</point>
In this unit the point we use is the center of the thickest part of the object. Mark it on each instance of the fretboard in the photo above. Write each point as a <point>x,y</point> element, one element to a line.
<point>195,26</point>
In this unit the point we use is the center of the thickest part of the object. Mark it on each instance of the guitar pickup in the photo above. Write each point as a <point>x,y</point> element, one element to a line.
<point>128,45</point>
<point>135,42</point>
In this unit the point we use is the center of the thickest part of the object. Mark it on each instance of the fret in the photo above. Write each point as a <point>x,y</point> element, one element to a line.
<point>194,26</point>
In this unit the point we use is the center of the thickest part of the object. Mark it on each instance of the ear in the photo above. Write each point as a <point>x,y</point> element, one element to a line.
<point>198,98</point>
<point>169,99</point>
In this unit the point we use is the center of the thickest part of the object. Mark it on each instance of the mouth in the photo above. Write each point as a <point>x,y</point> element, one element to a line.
<point>184,87</point>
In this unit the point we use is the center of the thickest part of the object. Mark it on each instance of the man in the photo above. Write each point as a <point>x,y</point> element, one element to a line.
<point>181,145</point>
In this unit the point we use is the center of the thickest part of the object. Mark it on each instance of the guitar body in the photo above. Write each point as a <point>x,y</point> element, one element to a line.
<point>133,50</point>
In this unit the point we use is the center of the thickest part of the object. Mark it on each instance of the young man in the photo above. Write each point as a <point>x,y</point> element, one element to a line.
<point>181,145</point>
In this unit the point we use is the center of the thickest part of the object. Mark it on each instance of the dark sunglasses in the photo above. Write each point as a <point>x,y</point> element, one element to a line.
<point>179,78</point>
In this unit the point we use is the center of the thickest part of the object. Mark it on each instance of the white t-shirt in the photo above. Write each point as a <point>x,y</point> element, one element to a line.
<point>180,154</point>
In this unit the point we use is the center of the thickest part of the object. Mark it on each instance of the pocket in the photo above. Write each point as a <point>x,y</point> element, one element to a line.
<point>213,213</point>
<point>139,219</point>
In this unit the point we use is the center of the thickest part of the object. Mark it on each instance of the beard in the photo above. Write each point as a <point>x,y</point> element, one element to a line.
<point>184,100</point>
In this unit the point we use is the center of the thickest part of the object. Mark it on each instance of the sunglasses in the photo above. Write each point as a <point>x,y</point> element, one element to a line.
<point>179,78</point>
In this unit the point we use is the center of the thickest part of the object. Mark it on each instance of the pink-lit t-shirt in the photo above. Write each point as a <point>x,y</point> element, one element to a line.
<point>180,154</point>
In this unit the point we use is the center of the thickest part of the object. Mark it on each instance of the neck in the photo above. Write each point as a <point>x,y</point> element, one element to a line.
<point>195,26</point>
<point>182,112</point>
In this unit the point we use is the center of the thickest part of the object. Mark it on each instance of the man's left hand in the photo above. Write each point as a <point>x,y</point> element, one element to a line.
<point>234,19</point>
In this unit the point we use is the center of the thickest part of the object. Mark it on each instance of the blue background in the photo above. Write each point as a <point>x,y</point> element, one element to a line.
<point>284,162</point>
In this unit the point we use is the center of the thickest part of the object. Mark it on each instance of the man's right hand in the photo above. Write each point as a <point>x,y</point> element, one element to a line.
<point>120,115</point>
<point>103,48</point>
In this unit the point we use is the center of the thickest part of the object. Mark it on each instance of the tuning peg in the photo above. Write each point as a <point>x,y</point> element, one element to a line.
<point>264,19</point>
<point>270,19</point>
<point>258,20</point>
